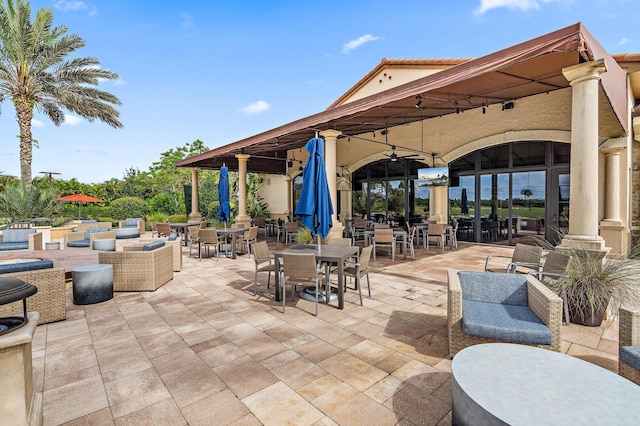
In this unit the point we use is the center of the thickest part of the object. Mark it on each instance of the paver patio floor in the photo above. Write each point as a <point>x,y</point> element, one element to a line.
<point>203,350</point>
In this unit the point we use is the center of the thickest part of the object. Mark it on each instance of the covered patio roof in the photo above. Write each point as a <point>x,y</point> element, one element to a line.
<point>526,69</point>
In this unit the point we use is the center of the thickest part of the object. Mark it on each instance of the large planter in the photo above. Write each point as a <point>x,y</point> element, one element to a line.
<point>589,319</point>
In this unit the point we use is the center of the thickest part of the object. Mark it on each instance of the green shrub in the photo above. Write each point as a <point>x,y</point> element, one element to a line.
<point>177,218</point>
<point>125,207</point>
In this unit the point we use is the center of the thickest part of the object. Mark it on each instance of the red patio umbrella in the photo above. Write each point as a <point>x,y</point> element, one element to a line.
<point>80,198</point>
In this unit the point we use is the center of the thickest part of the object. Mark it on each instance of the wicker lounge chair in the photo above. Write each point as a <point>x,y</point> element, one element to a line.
<point>80,240</point>
<point>49,301</point>
<point>20,239</point>
<point>138,270</point>
<point>501,308</point>
<point>177,251</point>
<point>629,344</point>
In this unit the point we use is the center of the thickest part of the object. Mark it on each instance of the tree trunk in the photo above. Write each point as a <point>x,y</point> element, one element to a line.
<point>24,112</point>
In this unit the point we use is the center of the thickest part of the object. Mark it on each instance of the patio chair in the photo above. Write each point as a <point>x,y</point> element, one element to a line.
<point>261,223</point>
<point>209,237</point>
<point>525,258</point>
<point>554,267</point>
<point>249,237</point>
<point>203,224</point>
<point>290,232</point>
<point>338,241</point>
<point>164,229</point>
<point>154,228</point>
<point>452,235</point>
<point>264,262</point>
<point>383,237</point>
<point>299,268</point>
<point>358,269</point>
<point>484,307</point>
<point>192,238</point>
<point>629,344</point>
<point>409,242</point>
<point>438,232</point>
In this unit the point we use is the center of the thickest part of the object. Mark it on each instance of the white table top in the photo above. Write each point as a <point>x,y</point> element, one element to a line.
<point>526,385</point>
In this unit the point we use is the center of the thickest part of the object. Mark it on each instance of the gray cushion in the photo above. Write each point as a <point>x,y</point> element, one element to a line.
<point>16,235</point>
<point>14,246</point>
<point>79,243</point>
<point>153,245</point>
<point>494,287</point>
<point>511,323</point>
<point>88,221</point>
<point>630,355</point>
<point>131,221</point>
<point>31,265</point>
<point>89,231</point>
<point>173,237</point>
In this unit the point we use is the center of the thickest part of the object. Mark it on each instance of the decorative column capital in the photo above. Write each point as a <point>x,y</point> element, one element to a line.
<point>330,134</point>
<point>242,156</point>
<point>586,71</point>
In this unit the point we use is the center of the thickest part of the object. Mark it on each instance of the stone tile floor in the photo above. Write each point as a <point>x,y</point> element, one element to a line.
<point>203,350</point>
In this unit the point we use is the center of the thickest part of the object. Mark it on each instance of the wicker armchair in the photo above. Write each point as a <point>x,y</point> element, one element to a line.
<point>544,303</point>
<point>177,251</point>
<point>629,344</point>
<point>49,301</point>
<point>133,222</point>
<point>137,270</point>
<point>18,239</point>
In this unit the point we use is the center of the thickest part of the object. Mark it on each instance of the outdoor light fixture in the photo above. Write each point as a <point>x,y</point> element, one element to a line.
<point>508,105</point>
<point>484,109</point>
<point>457,107</point>
<point>418,101</point>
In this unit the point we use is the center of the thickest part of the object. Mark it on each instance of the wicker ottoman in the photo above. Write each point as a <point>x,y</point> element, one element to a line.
<point>92,284</point>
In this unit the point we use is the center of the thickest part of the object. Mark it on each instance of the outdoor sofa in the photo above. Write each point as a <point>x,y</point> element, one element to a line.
<point>78,240</point>
<point>82,227</point>
<point>20,239</point>
<point>140,267</point>
<point>487,307</point>
<point>48,277</point>
<point>629,344</point>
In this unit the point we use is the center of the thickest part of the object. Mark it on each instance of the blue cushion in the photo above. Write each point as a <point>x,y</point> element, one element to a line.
<point>14,246</point>
<point>79,243</point>
<point>173,237</point>
<point>511,323</point>
<point>31,265</point>
<point>131,221</point>
<point>16,235</point>
<point>88,221</point>
<point>153,245</point>
<point>494,287</point>
<point>630,355</point>
<point>89,231</point>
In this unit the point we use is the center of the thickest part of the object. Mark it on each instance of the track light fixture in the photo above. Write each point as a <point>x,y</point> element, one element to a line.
<point>508,105</point>
<point>484,109</point>
<point>418,101</point>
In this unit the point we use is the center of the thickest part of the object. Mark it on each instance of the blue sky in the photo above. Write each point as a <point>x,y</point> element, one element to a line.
<point>222,71</point>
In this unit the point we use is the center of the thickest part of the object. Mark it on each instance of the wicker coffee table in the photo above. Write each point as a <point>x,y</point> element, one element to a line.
<point>503,383</point>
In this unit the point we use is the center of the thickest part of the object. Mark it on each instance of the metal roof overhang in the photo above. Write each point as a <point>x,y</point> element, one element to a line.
<point>526,69</point>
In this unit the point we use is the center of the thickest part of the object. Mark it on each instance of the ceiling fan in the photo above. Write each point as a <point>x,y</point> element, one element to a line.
<point>395,157</point>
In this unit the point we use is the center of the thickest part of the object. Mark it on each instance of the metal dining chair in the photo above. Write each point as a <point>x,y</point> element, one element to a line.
<point>299,268</point>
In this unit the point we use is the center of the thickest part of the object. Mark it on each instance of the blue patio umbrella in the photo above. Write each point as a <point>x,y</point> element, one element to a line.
<point>464,203</point>
<point>314,206</point>
<point>224,209</point>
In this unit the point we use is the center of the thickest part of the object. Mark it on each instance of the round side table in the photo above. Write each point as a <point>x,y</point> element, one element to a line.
<point>92,284</point>
<point>107,244</point>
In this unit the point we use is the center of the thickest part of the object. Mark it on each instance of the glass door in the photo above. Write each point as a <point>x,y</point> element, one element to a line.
<point>558,206</point>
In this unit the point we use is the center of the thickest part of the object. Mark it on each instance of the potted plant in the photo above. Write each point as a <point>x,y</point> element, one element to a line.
<point>594,282</point>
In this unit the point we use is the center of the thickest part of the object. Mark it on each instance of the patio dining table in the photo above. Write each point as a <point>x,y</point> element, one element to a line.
<point>182,229</point>
<point>327,253</point>
<point>233,232</point>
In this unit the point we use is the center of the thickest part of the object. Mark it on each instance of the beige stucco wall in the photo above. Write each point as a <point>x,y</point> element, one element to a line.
<point>274,192</point>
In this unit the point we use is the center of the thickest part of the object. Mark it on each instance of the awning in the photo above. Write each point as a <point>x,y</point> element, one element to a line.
<point>526,69</point>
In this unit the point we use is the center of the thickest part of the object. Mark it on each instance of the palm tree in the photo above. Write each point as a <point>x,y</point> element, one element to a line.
<point>35,73</point>
<point>527,193</point>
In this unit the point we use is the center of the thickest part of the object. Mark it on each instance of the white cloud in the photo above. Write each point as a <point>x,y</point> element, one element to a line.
<point>119,82</point>
<point>256,107</point>
<point>523,5</point>
<point>37,123</point>
<point>71,120</point>
<point>67,5</point>
<point>354,44</point>
<point>624,41</point>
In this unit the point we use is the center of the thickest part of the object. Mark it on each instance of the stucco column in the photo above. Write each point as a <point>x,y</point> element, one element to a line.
<point>330,148</point>
<point>195,214</point>
<point>242,190</point>
<point>583,205</point>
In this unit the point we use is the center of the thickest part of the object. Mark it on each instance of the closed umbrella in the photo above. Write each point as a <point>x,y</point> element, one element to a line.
<point>464,203</point>
<point>314,206</point>
<point>224,209</point>
<point>80,198</point>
